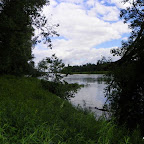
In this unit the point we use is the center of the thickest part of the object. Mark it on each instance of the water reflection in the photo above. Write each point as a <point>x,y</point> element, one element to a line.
<point>92,94</point>
<point>84,78</point>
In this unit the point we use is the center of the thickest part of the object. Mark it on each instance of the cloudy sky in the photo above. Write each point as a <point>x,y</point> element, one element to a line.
<point>88,30</point>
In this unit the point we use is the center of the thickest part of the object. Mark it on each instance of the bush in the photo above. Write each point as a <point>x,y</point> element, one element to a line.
<point>63,90</point>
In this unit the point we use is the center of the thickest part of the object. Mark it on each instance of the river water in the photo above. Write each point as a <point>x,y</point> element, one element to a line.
<point>91,95</point>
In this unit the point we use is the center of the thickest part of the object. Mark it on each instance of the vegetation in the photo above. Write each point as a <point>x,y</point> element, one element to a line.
<point>91,72</point>
<point>50,71</point>
<point>125,91</point>
<point>50,68</point>
<point>29,114</point>
<point>18,21</point>
<point>61,89</point>
<point>103,66</point>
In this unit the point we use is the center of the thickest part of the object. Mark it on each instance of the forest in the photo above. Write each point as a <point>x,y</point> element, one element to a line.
<point>102,66</point>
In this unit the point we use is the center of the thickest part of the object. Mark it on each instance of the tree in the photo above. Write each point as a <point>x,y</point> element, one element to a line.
<point>51,68</point>
<point>133,49</point>
<point>18,20</point>
<point>125,91</point>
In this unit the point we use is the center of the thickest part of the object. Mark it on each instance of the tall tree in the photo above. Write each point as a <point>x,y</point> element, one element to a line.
<point>18,20</point>
<point>126,88</point>
<point>134,15</point>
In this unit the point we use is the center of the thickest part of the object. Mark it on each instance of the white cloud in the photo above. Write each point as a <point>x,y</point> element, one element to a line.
<point>53,3</point>
<point>91,2</point>
<point>81,29</point>
<point>125,38</point>
<point>108,13</point>
<point>121,4</point>
<point>75,56</point>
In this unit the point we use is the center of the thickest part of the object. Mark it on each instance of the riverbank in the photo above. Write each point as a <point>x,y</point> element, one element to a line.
<point>91,72</point>
<point>31,114</point>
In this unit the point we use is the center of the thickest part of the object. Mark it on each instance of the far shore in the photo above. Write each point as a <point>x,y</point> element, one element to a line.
<point>94,72</point>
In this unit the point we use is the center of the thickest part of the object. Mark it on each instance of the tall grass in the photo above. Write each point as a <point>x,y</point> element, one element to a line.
<point>30,114</point>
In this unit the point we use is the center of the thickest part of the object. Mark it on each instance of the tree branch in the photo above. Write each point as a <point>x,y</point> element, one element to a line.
<point>99,109</point>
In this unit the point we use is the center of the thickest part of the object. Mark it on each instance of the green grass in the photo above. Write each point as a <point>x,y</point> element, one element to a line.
<point>31,115</point>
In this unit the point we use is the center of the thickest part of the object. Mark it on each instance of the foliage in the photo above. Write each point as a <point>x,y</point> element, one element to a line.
<point>103,60</point>
<point>125,94</point>
<point>63,90</point>
<point>102,65</point>
<point>134,16</point>
<point>125,91</point>
<point>30,114</point>
<point>91,72</point>
<point>51,68</point>
<point>18,20</point>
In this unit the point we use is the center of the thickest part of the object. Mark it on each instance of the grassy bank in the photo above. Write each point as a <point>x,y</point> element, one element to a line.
<point>30,114</point>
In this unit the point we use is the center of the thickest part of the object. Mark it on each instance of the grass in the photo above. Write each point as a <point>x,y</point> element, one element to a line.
<point>30,114</point>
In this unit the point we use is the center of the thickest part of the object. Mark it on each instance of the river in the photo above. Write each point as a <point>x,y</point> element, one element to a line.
<point>91,95</point>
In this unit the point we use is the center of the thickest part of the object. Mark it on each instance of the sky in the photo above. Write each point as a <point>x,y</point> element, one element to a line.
<point>88,30</point>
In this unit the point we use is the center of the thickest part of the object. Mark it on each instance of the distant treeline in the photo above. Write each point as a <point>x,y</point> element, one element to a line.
<point>101,66</point>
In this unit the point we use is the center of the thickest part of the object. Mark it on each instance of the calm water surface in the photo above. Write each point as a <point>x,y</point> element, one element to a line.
<point>92,94</point>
